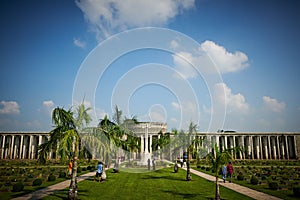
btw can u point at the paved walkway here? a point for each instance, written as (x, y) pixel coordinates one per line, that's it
(39, 194)
(238, 188)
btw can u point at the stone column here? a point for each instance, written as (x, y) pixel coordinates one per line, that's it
(269, 148)
(287, 147)
(242, 152)
(12, 147)
(142, 144)
(21, 146)
(29, 148)
(261, 139)
(146, 140)
(3, 147)
(274, 148)
(150, 143)
(225, 142)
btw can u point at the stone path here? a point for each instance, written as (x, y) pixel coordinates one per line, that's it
(39, 194)
(238, 188)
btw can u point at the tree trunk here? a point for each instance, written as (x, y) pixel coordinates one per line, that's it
(218, 197)
(73, 194)
(188, 173)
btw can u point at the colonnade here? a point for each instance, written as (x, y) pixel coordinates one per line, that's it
(254, 145)
(24, 145)
(21, 145)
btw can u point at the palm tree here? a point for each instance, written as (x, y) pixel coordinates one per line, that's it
(217, 158)
(65, 137)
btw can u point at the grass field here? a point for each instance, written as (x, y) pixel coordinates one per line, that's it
(161, 184)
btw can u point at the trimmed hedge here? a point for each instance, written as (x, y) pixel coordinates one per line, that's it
(273, 185)
(296, 191)
(18, 187)
(51, 178)
(254, 180)
(37, 182)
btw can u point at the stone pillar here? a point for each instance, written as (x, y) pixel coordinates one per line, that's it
(261, 147)
(287, 147)
(269, 148)
(142, 144)
(21, 146)
(242, 152)
(150, 143)
(3, 147)
(29, 148)
(12, 144)
(146, 141)
(274, 148)
(225, 142)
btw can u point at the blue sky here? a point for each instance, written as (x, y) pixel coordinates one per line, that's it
(252, 47)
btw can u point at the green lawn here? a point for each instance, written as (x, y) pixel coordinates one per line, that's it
(161, 184)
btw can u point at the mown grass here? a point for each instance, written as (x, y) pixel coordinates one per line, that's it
(160, 184)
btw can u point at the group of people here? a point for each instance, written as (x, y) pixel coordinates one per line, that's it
(227, 171)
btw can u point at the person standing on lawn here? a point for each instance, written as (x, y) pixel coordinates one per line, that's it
(224, 172)
(230, 171)
(99, 171)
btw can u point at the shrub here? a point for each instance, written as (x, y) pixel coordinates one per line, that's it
(84, 169)
(203, 167)
(62, 174)
(240, 177)
(273, 185)
(254, 180)
(207, 168)
(296, 191)
(79, 169)
(37, 182)
(18, 187)
(51, 178)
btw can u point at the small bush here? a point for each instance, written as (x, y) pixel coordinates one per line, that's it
(79, 169)
(62, 174)
(254, 180)
(296, 191)
(18, 187)
(37, 182)
(203, 167)
(51, 178)
(240, 177)
(84, 169)
(273, 185)
(207, 169)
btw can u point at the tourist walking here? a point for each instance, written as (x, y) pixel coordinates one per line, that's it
(70, 166)
(229, 171)
(99, 171)
(224, 172)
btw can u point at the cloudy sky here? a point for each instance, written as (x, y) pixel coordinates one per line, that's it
(226, 64)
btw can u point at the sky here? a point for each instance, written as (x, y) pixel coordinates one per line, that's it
(229, 64)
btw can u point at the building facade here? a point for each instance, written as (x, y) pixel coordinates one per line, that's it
(253, 145)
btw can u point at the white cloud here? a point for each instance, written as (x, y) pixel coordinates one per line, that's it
(9, 107)
(79, 43)
(183, 64)
(225, 61)
(234, 102)
(108, 16)
(48, 106)
(208, 58)
(273, 104)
